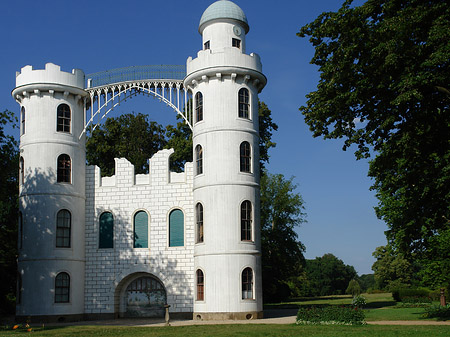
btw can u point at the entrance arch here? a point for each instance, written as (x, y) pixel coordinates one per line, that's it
(142, 295)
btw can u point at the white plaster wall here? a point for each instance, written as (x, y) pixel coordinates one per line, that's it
(107, 268)
(41, 197)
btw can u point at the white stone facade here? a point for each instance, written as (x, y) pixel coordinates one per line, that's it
(77, 278)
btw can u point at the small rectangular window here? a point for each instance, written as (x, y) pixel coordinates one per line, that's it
(206, 45)
(236, 43)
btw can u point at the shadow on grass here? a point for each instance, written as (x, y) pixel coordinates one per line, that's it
(381, 304)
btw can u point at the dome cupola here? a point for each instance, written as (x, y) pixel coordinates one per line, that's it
(223, 10)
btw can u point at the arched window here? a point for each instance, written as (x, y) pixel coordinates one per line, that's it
(247, 284)
(63, 123)
(63, 224)
(20, 230)
(22, 117)
(199, 221)
(200, 285)
(176, 228)
(199, 159)
(245, 155)
(106, 230)
(21, 171)
(244, 105)
(140, 230)
(64, 168)
(62, 288)
(246, 221)
(199, 106)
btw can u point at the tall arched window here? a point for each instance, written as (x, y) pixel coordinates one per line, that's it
(176, 228)
(245, 157)
(21, 171)
(63, 119)
(199, 106)
(20, 230)
(199, 221)
(64, 169)
(22, 117)
(63, 227)
(247, 284)
(140, 230)
(246, 221)
(106, 230)
(200, 285)
(199, 159)
(244, 103)
(62, 288)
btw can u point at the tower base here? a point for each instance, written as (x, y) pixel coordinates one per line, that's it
(223, 316)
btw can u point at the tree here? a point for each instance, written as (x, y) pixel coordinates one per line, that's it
(131, 136)
(367, 281)
(391, 269)
(353, 288)
(266, 129)
(328, 275)
(383, 87)
(282, 253)
(9, 209)
(180, 139)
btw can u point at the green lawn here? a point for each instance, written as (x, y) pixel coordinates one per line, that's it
(380, 307)
(246, 330)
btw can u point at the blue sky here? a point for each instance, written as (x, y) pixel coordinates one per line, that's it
(100, 35)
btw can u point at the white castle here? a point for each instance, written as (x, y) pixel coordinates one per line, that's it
(127, 245)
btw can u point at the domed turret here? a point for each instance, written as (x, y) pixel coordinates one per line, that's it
(223, 9)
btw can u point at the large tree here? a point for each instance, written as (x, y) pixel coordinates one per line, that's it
(384, 79)
(282, 211)
(9, 208)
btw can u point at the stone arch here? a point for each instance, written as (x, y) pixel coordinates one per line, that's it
(140, 294)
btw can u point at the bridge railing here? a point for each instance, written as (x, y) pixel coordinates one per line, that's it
(136, 73)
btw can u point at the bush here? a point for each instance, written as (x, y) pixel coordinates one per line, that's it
(435, 295)
(402, 293)
(331, 315)
(353, 288)
(438, 311)
(359, 301)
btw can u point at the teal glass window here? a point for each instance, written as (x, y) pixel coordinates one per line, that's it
(106, 237)
(140, 230)
(176, 228)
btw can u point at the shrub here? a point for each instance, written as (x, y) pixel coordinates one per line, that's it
(359, 301)
(435, 295)
(353, 288)
(401, 293)
(438, 311)
(331, 315)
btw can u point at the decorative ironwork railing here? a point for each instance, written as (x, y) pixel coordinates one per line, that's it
(136, 73)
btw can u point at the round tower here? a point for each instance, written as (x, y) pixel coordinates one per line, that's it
(225, 83)
(51, 193)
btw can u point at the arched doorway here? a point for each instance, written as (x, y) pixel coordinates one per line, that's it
(145, 297)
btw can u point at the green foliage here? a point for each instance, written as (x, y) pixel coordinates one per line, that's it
(266, 129)
(438, 311)
(409, 294)
(366, 281)
(359, 301)
(9, 208)
(340, 315)
(384, 87)
(130, 136)
(353, 288)
(391, 269)
(180, 139)
(282, 253)
(328, 275)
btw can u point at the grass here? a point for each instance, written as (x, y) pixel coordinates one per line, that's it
(380, 307)
(247, 330)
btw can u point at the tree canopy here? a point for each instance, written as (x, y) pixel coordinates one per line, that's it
(384, 87)
(9, 208)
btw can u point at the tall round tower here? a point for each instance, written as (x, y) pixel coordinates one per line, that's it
(52, 193)
(225, 83)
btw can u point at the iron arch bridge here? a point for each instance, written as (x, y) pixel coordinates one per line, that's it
(108, 89)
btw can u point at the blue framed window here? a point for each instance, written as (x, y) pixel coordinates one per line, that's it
(106, 229)
(176, 228)
(140, 230)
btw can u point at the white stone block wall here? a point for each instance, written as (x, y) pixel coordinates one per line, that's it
(108, 270)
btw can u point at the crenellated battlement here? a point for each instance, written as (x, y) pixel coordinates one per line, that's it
(51, 74)
(159, 173)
